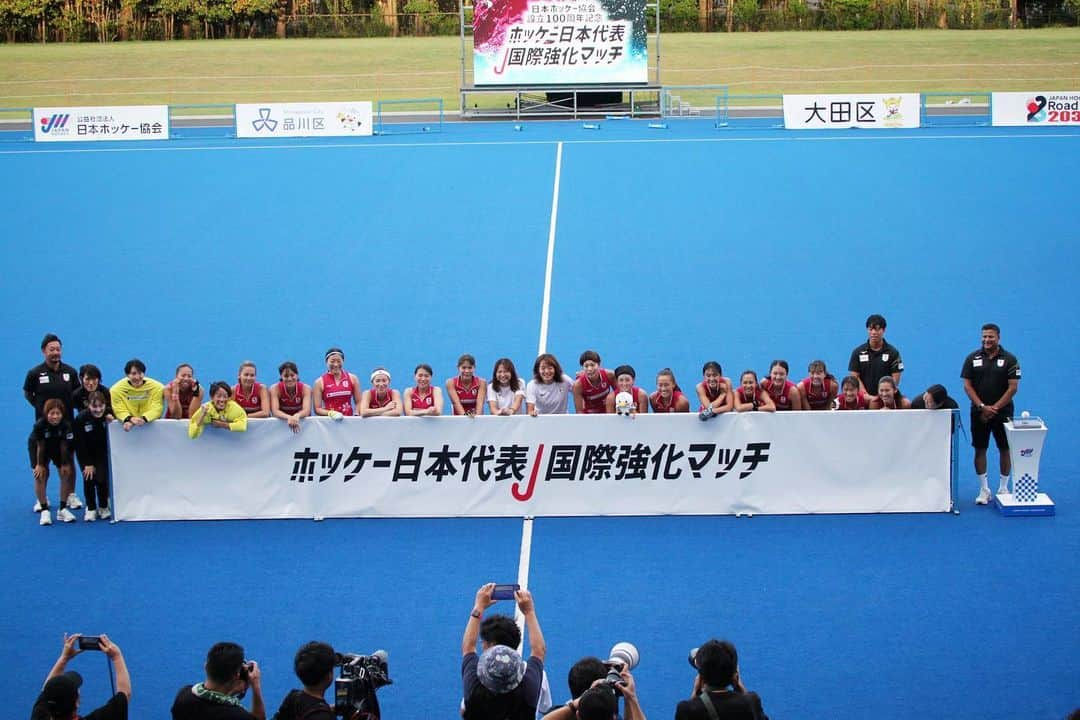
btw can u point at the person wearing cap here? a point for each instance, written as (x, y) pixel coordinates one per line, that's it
(314, 666)
(936, 397)
(60, 699)
(381, 400)
(718, 692)
(337, 392)
(499, 684)
(228, 678)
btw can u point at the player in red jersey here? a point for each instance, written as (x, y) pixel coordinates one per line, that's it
(381, 400)
(714, 391)
(251, 394)
(337, 392)
(784, 393)
(183, 394)
(466, 391)
(290, 399)
(593, 385)
(819, 388)
(889, 396)
(668, 397)
(750, 396)
(851, 396)
(624, 382)
(424, 398)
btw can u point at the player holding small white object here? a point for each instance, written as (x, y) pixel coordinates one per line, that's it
(714, 391)
(624, 383)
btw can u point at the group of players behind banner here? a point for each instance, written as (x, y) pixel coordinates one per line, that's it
(57, 392)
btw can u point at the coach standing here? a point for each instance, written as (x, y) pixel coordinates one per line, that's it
(52, 379)
(991, 378)
(875, 358)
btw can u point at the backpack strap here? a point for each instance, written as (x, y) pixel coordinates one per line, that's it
(708, 703)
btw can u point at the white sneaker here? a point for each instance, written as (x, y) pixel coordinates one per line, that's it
(104, 513)
(37, 506)
(65, 515)
(984, 496)
(46, 518)
(74, 502)
(90, 516)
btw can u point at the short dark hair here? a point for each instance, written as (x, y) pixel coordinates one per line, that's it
(49, 337)
(987, 326)
(223, 662)
(938, 393)
(717, 662)
(583, 674)
(221, 385)
(598, 703)
(625, 370)
(313, 662)
(500, 630)
(589, 355)
(876, 320)
(424, 366)
(91, 371)
(287, 365)
(134, 363)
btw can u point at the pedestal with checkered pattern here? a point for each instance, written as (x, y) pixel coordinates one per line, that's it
(1026, 437)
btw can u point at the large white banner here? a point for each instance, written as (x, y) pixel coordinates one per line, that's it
(869, 110)
(1046, 108)
(328, 119)
(783, 463)
(82, 124)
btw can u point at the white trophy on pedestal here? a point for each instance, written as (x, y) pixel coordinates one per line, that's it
(1026, 435)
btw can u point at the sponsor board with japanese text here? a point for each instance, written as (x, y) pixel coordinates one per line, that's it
(92, 124)
(328, 119)
(784, 463)
(1035, 109)
(559, 42)
(870, 110)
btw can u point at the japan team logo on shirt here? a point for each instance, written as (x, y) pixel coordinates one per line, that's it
(885, 357)
(1001, 362)
(67, 377)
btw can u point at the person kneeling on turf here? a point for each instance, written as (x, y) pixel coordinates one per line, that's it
(314, 665)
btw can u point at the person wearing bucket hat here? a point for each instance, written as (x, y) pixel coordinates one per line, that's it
(59, 698)
(499, 684)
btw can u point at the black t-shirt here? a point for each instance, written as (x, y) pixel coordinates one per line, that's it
(43, 384)
(78, 399)
(520, 703)
(57, 441)
(872, 365)
(115, 709)
(189, 706)
(298, 705)
(91, 439)
(990, 376)
(729, 706)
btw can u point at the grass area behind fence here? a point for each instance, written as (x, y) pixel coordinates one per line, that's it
(226, 71)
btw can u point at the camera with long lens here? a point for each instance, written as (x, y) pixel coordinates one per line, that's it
(623, 656)
(355, 685)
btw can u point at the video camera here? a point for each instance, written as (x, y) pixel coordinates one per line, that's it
(355, 686)
(623, 656)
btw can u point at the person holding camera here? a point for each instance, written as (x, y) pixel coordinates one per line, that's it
(498, 684)
(59, 698)
(314, 665)
(228, 678)
(601, 700)
(718, 690)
